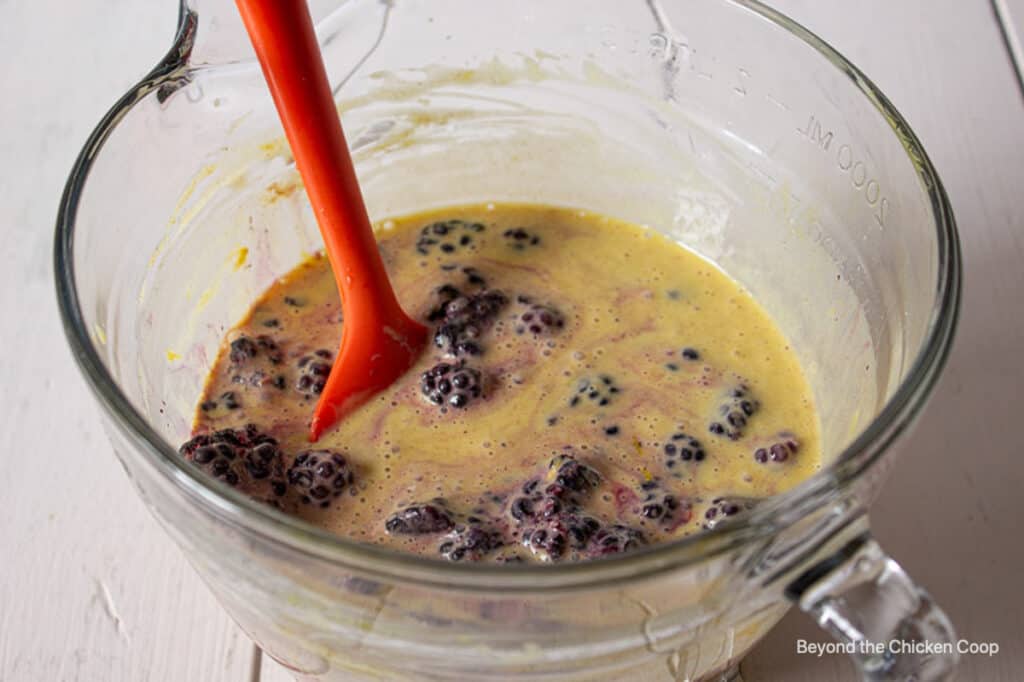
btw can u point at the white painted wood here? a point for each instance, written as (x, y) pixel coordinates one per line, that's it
(272, 671)
(90, 587)
(1011, 17)
(951, 511)
(91, 590)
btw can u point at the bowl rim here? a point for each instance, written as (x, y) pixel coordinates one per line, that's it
(248, 516)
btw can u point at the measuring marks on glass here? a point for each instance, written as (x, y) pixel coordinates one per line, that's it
(849, 163)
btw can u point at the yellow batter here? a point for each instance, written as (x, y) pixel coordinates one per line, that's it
(587, 348)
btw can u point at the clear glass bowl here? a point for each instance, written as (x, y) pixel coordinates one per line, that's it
(718, 122)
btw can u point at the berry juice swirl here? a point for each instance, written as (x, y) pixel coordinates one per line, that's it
(591, 388)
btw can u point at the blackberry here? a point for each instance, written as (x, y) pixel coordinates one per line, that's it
(579, 528)
(454, 385)
(470, 542)
(269, 348)
(448, 236)
(264, 461)
(244, 349)
(474, 278)
(463, 319)
(319, 476)
(442, 295)
(665, 507)
(615, 539)
(230, 400)
(734, 411)
(560, 491)
(538, 319)
(548, 536)
(239, 456)
(779, 451)
(538, 504)
(681, 447)
(723, 508)
(420, 519)
(313, 372)
(568, 476)
(218, 460)
(520, 239)
(599, 391)
(549, 539)
(690, 354)
(546, 543)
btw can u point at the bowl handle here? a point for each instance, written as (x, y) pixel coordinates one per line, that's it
(889, 626)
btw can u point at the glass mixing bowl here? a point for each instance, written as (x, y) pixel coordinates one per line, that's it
(718, 122)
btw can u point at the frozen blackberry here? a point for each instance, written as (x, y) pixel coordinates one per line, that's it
(237, 456)
(733, 413)
(319, 476)
(681, 447)
(448, 236)
(313, 372)
(453, 385)
(474, 278)
(264, 461)
(469, 543)
(664, 507)
(269, 349)
(551, 538)
(599, 391)
(539, 320)
(779, 451)
(463, 320)
(520, 239)
(723, 508)
(523, 508)
(567, 476)
(219, 461)
(546, 543)
(420, 519)
(615, 539)
(536, 502)
(442, 296)
(552, 505)
(244, 349)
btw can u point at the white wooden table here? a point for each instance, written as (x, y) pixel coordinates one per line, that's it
(90, 589)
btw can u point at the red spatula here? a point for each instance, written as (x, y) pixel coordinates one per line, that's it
(379, 342)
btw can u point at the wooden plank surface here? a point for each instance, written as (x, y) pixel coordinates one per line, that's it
(1010, 14)
(91, 590)
(272, 671)
(90, 587)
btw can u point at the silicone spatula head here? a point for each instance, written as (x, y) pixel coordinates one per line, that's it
(379, 341)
